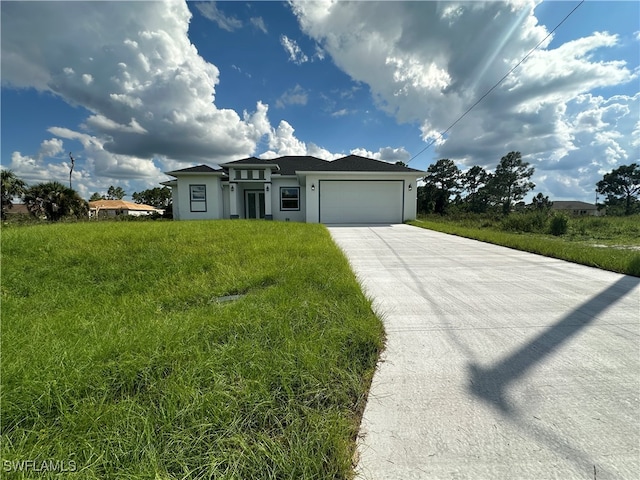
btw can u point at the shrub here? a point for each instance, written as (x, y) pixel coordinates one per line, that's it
(530, 222)
(559, 224)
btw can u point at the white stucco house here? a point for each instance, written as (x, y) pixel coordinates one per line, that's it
(351, 189)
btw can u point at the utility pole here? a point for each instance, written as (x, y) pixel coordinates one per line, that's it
(73, 163)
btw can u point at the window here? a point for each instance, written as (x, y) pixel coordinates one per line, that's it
(289, 198)
(198, 197)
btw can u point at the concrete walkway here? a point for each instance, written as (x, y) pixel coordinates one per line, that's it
(499, 364)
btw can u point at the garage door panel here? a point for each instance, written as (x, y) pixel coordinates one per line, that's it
(361, 201)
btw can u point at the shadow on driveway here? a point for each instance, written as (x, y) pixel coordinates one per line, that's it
(490, 384)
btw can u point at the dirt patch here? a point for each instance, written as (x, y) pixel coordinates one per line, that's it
(618, 247)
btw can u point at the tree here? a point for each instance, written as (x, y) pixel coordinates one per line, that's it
(115, 193)
(541, 203)
(426, 198)
(622, 187)
(55, 201)
(473, 183)
(96, 196)
(510, 182)
(12, 187)
(443, 176)
(156, 197)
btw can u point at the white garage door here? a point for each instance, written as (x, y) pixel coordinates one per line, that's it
(366, 201)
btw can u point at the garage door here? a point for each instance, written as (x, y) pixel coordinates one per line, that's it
(365, 201)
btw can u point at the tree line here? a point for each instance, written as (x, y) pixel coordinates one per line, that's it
(476, 190)
(55, 201)
(445, 186)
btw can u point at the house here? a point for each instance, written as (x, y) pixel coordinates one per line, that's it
(574, 207)
(17, 209)
(351, 189)
(112, 208)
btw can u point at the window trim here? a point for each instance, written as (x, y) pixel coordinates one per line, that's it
(294, 209)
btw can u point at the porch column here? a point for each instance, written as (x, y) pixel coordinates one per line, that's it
(233, 200)
(267, 201)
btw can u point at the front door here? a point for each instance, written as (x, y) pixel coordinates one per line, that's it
(254, 203)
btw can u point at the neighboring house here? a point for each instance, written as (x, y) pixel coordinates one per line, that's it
(575, 207)
(112, 208)
(17, 209)
(351, 189)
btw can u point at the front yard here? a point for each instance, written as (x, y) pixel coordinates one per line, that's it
(181, 350)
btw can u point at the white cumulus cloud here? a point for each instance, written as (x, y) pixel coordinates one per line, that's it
(426, 63)
(296, 55)
(150, 94)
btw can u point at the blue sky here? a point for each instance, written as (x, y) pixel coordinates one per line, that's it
(135, 89)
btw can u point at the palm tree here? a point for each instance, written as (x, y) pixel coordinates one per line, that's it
(12, 187)
(54, 201)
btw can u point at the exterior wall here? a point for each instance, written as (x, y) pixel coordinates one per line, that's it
(226, 212)
(287, 215)
(581, 211)
(175, 197)
(410, 199)
(137, 213)
(213, 204)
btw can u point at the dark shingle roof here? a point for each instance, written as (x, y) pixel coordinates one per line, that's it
(197, 169)
(291, 164)
(249, 160)
(287, 165)
(573, 205)
(356, 163)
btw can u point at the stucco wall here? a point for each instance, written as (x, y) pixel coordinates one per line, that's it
(214, 205)
(283, 215)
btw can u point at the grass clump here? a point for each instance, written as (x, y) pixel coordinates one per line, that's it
(558, 224)
(610, 243)
(118, 355)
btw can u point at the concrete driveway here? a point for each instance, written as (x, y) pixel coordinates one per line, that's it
(499, 364)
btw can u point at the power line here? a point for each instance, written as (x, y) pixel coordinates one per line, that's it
(440, 135)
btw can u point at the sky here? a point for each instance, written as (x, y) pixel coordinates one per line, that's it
(136, 89)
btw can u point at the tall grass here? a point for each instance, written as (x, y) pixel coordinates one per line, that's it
(610, 243)
(125, 351)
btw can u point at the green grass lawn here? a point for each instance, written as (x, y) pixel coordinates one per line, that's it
(121, 354)
(610, 243)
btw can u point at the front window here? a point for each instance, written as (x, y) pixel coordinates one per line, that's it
(290, 198)
(198, 197)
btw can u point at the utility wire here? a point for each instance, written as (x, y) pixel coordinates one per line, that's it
(440, 135)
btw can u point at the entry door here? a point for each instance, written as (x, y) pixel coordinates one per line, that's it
(254, 204)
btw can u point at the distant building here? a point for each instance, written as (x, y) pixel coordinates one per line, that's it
(574, 207)
(113, 208)
(17, 209)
